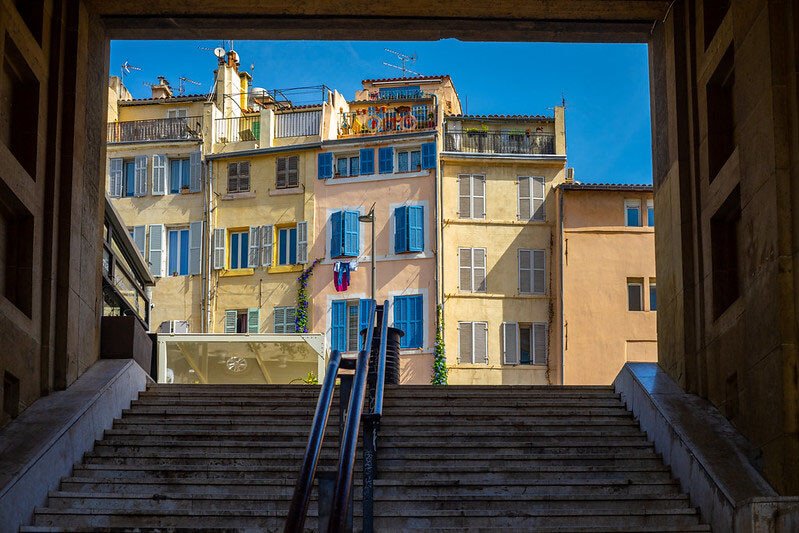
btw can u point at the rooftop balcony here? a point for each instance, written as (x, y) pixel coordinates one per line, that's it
(158, 129)
(399, 120)
(494, 142)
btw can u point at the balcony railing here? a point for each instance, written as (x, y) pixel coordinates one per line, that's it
(297, 124)
(159, 129)
(236, 129)
(500, 142)
(384, 122)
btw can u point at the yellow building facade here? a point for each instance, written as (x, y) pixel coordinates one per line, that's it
(609, 285)
(497, 256)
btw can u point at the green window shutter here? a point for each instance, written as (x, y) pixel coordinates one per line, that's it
(253, 320)
(230, 321)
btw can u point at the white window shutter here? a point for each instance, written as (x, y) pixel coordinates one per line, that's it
(465, 259)
(230, 321)
(219, 248)
(466, 342)
(302, 242)
(525, 272)
(141, 175)
(267, 236)
(524, 204)
(539, 271)
(510, 343)
(479, 269)
(537, 189)
(478, 196)
(464, 196)
(195, 247)
(254, 258)
(195, 171)
(159, 174)
(540, 343)
(139, 236)
(157, 255)
(480, 342)
(115, 178)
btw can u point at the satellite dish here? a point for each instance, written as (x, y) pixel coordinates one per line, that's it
(219, 52)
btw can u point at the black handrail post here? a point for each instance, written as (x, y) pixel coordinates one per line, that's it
(302, 490)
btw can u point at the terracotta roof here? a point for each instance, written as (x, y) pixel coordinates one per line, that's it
(296, 107)
(171, 99)
(501, 117)
(635, 187)
(415, 78)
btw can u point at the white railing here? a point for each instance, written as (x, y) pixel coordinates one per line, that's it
(297, 123)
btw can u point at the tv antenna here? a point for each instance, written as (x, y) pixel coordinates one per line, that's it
(182, 84)
(405, 59)
(127, 68)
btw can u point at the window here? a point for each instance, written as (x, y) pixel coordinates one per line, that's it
(635, 289)
(531, 198)
(408, 317)
(367, 161)
(472, 269)
(179, 175)
(473, 342)
(419, 112)
(532, 271)
(324, 165)
(238, 177)
(348, 318)
(385, 157)
(632, 213)
(129, 179)
(178, 252)
(524, 344)
(239, 249)
(138, 234)
(355, 165)
(345, 234)
(287, 173)
(409, 229)
(726, 252)
(471, 196)
(721, 119)
(409, 161)
(650, 213)
(653, 300)
(287, 246)
(177, 113)
(342, 166)
(243, 320)
(285, 319)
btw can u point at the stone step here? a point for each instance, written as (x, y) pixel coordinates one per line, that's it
(283, 488)
(387, 503)
(461, 519)
(389, 404)
(588, 529)
(416, 472)
(406, 389)
(442, 412)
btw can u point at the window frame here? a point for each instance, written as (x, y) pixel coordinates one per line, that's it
(653, 295)
(635, 205)
(412, 299)
(244, 251)
(472, 196)
(472, 270)
(183, 234)
(640, 285)
(472, 361)
(532, 270)
(185, 164)
(650, 213)
(238, 177)
(289, 249)
(287, 172)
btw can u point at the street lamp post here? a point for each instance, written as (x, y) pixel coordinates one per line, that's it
(370, 217)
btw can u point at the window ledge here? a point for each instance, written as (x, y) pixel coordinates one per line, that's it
(238, 195)
(282, 269)
(236, 272)
(286, 192)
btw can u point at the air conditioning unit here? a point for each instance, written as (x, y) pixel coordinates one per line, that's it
(174, 326)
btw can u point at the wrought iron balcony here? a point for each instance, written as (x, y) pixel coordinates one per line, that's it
(384, 122)
(489, 142)
(159, 129)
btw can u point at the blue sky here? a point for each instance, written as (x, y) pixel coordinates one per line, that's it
(606, 86)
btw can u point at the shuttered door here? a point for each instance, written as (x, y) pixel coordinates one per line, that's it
(465, 344)
(479, 268)
(464, 196)
(525, 209)
(540, 343)
(510, 350)
(465, 258)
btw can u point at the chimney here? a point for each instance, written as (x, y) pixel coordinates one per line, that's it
(245, 89)
(570, 175)
(161, 89)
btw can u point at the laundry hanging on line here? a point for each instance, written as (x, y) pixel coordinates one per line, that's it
(341, 275)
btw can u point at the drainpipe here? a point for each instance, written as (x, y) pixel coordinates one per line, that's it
(437, 202)
(209, 249)
(562, 332)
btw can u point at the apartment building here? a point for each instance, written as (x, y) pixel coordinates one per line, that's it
(497, 259)
(383, 161)
(609, 284)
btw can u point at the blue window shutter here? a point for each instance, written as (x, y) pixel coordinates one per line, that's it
(415, 320)
(415, 228)
(352, 233)
(386, 159)
(337, 233)
(367, 161)
(338, 325)
(401, 229)
(324, 163)
(363, 319)
(401, 318)
(429, 155)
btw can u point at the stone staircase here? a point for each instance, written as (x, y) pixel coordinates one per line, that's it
(450, 459)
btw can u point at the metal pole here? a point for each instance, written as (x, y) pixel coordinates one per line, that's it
(373, 254)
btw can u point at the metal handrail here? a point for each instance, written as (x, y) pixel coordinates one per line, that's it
(302, 490)
(380, 377)
(349, 439)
